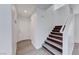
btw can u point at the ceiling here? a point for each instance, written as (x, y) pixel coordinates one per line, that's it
(29, 9)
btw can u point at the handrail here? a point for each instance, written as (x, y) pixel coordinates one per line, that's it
(67, 19)
(63, 27)
(68, 36)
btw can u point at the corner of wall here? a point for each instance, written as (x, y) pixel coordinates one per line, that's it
(35, 45)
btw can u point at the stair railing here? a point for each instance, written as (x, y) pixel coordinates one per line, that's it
(67, 20)
(63, 27)
(68, 35)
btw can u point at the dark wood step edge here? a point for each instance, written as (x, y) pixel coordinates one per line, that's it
(56, 33)
(54, 47)
(60, 43)
(48, 50)
(58, 26)
(55, 37)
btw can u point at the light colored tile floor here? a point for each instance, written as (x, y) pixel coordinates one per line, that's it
(76, 49)
(26, 48)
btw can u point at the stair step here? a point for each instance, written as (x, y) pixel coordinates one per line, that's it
(51, 49)
(57, 33)
(55, 40)
(48, 50)
(55, 45)
(55, 30)
(55, 36)
(58, 26)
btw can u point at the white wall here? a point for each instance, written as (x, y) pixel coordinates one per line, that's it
(39, 29)
(15, 29)
(77, 28)
(34, 30)
(60, 15)
(75, 8)
(24, 28)
(41, 26)
(5, 29)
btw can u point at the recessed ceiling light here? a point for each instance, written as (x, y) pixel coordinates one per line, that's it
(25, 11)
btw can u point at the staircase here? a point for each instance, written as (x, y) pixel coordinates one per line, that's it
(53, 44)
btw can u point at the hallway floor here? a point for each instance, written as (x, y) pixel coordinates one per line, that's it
(76, 49)
(25, 47)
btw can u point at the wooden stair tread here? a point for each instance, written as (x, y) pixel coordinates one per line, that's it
(57, 32)
(58, 26)
(55, 35)
(53, 50)
(55, 44)
(55, 39)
